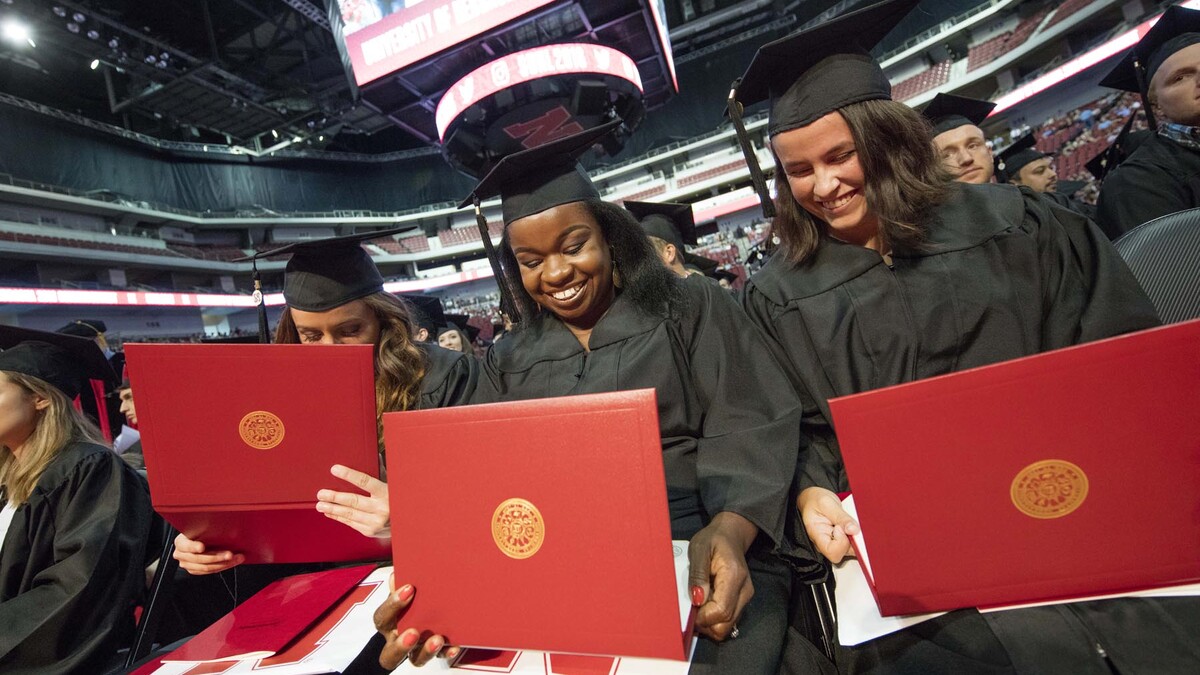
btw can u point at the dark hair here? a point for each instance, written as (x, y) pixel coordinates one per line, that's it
(400, 364)
(648, 284)
(903, 179)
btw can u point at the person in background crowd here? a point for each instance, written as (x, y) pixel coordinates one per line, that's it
(133, 453)
(334, 295)
(959, 140)
(597, 312)
(670, 228)
(96, 404)
(457, 335)
(886, 272)
(427, 314)
(74, 518)
(1023, 164)
(1160, 176)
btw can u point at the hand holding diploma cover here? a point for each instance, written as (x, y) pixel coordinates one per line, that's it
(540, 528)
(238, 446)
(1009, 483)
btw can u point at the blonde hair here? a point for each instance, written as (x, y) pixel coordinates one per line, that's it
(399, 364)
(59, 425)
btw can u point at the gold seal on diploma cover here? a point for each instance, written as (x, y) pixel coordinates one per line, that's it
(261, 429)
(518, 528)
(1051, 488)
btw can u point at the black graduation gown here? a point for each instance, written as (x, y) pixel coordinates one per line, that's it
(1066, 201)
(729, 427)
(1005, 274)
(450, 377)
(1160, 177)
(72, 565)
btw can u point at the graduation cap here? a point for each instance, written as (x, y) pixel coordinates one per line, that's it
(327, 273)
(813, 72)
(669, 221)
(1013, 158)
(531, 181)
(1176, 29)
(88, 328)
(459, 322)
(947, 111)
(427, 312)
(1069, 187)
(1125, 144)
(728, 276)
(65, 361)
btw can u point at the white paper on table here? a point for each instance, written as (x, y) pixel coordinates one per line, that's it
(859, 619)
(543, 663)
(328, 653)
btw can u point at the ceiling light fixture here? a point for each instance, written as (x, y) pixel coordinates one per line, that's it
(95, 63)
(17, 33)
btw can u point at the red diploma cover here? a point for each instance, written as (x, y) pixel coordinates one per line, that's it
(238, 439)
(537, 525)
(1064, 474)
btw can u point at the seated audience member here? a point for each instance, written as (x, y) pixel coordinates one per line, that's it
(1023, 164)
(873, 285)
(334, 295)
(95, 398)
(598, 312)
(74, 519)
(427, 315)
(1160, 176)
(457, 335)
(671, 229)
(959, 140)
(133, 453)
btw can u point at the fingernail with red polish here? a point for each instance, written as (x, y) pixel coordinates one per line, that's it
(697, 596)
(405, 592)
(409, 639)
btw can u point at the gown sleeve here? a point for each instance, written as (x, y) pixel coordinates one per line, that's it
(1135, 194)
(1089, 292)
(750, 437)
(85, 539)
(450, 378)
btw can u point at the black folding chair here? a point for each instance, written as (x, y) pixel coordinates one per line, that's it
(1164, 256)
(158, 598)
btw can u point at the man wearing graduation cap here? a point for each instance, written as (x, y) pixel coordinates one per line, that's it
(1163, 175)
(97, 405)
(958, 138)
(428, 315)
(877, 282)
(1023, 164)
(671, 228)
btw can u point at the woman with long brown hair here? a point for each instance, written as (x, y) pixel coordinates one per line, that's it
(886, 272)
(335, 295)
(74, 518)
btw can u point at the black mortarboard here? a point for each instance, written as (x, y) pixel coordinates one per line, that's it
(327, 273)
(1177, 28)
(64, 361)
(427, 312)
(813, 72)
(1125, 144)
(459, 322)
(1013, 158)
(88, 328)
(948, 111)
(540, 178)
(1069, 187)
(669, 221)
(723, 274)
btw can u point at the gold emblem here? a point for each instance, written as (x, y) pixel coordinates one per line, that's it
(261, 429)
(1051, 488)
(518, 528)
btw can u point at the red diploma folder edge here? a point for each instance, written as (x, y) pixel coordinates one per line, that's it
(848, 408)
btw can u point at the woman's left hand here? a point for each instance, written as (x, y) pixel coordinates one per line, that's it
(408, 644)
(369, 513)
(719, 577)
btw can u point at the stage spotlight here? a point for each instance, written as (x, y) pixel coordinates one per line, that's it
(93, 34)
(79, 17)
(17, 33)
(95, 63)
(59, 11)
(113, 43)
(73, 27)
(274, 134)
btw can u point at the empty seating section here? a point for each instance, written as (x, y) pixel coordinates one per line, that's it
(414, 243)
(1067, 9)
(935, 76)
(225, 253)
(83, 243)
(683, 181)
(992, 49)
(645, 194)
